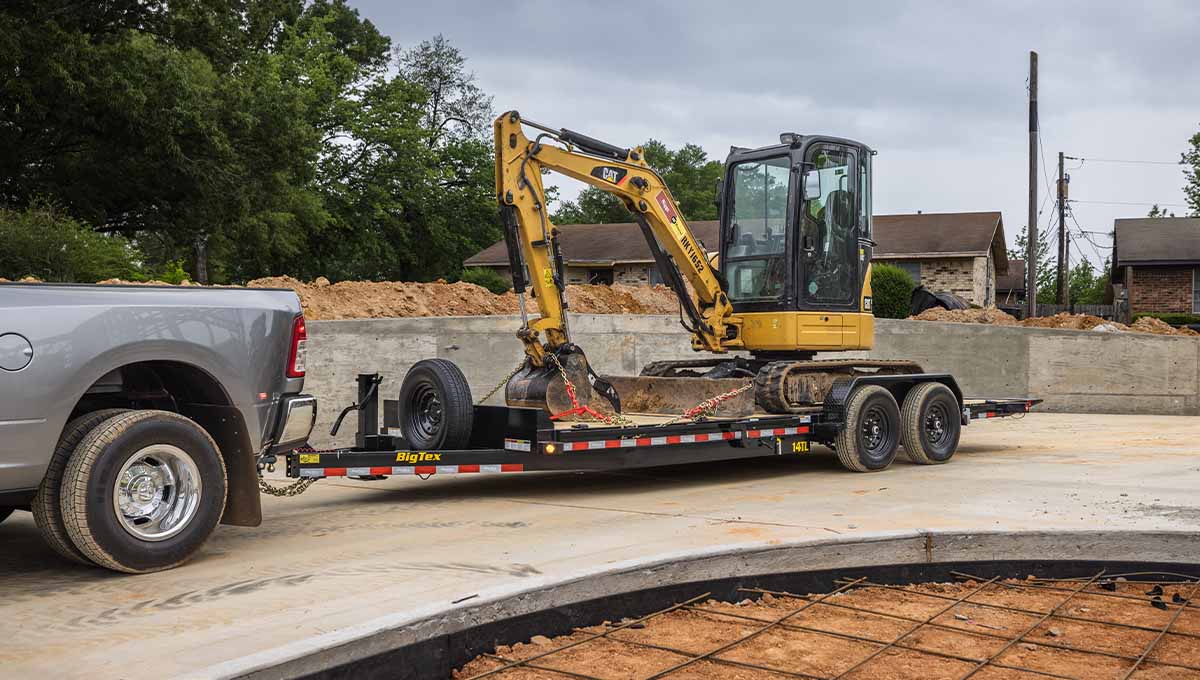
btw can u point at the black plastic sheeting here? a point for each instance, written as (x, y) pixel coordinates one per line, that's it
(923, 298)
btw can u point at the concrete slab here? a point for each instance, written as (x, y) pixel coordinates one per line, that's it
(348, 560)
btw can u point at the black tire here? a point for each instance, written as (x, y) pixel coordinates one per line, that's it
(145, 440)
(46, 505)
(4, 513)
(931, 424)
(436, 410)
(870, 437)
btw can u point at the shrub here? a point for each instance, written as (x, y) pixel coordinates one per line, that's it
(891, 288)
(488, 278)
(39, 241)
(1173, 318)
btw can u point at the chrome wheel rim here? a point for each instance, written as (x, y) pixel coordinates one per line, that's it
(157, 492)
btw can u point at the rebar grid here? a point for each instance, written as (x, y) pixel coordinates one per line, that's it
(940, 626)
(784, 623)
(1033, 585)
(1034, 612)
(1174, 617)
(1049, 615)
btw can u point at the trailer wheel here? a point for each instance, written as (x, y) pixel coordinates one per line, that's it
(47, 504)
(436, 406)
(868, 440)
(931, 425)
(143, 491)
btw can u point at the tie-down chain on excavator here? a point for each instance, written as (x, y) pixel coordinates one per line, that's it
(790, 279)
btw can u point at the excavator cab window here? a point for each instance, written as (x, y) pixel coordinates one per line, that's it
(755, 264)
(830, 227)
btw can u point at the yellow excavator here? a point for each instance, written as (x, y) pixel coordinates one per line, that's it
(791, 276)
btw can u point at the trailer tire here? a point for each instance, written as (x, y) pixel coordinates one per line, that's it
(870, 437)
(47, 503)
(143, 491)
(931, 425)
(436, 406)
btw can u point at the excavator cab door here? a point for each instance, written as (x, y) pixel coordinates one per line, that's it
(831, 265)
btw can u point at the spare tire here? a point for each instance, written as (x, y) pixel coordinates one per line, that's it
(436, 410)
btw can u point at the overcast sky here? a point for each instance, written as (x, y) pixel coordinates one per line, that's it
(938, 88)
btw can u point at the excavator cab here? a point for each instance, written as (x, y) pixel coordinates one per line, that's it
(795, 244)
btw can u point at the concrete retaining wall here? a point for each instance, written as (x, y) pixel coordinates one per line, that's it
(1078, 371)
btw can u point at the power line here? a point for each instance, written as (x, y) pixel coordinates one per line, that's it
(1161, 205)
(1083, 160)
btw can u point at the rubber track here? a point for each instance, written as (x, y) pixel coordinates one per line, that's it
(770, 385)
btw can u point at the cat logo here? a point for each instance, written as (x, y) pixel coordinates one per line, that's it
(609, 173)
(414, 457)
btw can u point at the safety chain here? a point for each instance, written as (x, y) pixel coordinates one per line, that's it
(294, 489)
(616, 419)
(708, 406)
(503, 382)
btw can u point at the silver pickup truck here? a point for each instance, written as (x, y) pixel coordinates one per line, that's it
(132, 418)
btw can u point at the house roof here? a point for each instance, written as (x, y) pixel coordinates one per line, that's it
(925, 235)
(920, 235)
(600, 244)
(1157, 240)
(1014, 280)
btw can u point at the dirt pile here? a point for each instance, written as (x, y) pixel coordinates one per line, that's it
(1062, 320)
(1159, 327)
(990, 316)
(374, 300)
(1078, 322)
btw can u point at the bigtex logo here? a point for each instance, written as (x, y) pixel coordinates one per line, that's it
(414, 457)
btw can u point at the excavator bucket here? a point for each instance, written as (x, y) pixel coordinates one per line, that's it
(543, 386)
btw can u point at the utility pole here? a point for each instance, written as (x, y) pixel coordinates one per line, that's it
(1064, 246)
(1032, 233)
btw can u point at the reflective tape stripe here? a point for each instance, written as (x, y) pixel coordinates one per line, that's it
(308, 473)
(599, 444)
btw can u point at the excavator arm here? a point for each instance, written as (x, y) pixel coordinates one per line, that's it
(535, 256)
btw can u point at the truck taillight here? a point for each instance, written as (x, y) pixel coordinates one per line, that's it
(295, 366)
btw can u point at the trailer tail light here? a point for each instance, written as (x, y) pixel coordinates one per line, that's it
(299, 351)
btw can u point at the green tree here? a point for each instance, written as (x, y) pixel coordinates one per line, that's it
(40, 241)
(1086, 285)
(1047, 275)
(1156, 211)
(1190, 159)
(891, 291)
(691, 177)
(246, 137)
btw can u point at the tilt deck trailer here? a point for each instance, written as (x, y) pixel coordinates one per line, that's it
(519, 439)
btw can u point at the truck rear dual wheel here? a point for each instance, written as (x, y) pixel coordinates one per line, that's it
(870, 436)
(931, 425)
(47, 504)
(142, 491)
(436, 411)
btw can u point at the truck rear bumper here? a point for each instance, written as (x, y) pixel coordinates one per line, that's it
(297, 415)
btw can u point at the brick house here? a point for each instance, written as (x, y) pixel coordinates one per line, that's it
(960, 253)
(601, 253)
(1010, 287)
(956, 252)
(1158, 261)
